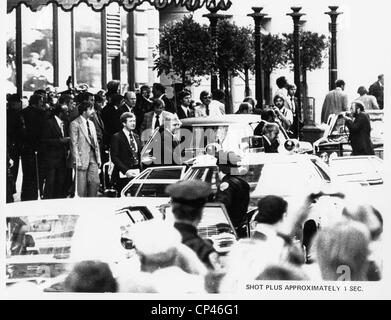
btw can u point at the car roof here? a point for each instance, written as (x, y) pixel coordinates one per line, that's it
(228, 118)
(80, 206)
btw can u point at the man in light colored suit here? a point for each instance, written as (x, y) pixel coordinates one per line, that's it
(335, 102)
(153, 119)
(85, 152)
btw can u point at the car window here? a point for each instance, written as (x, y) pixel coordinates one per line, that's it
(153, 190)
(132, 190)
(166, 173)
(48, 238)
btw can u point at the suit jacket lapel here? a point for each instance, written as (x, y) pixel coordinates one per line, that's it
(126, 142)
(84, 130)
(57, 128)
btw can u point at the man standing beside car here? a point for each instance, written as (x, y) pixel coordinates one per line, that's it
(270, 137)
(55, 151)
(359, 130)
(125, 151)
(335, 102)
(85, 152)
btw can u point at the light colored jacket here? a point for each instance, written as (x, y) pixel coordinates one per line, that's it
(335, 102)
(81, 143)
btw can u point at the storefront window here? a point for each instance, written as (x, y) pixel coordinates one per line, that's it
(88, 53)
(11, 50)
(37, 38)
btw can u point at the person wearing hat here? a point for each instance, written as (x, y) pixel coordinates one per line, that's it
(359, 130)
(188, 200)
(233, 191)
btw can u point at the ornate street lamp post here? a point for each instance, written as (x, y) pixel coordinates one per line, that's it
(333, 71)
(296, 15)
(258, 16)
(214, 17)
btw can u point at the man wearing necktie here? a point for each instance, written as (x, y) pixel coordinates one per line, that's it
(153, 120)
(55, 151)
(125, 152)
(85, 152)
(184, 110)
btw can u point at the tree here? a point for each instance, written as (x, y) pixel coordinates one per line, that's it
(274, 56)
(235, 54)
(184, 50)
(313, 52)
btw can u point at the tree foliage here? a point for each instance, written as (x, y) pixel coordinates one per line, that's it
(274, 54)
(235, 48)
(313, 46)
(184, 50)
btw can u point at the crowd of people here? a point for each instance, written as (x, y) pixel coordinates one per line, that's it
(57, 133)
(172, 258)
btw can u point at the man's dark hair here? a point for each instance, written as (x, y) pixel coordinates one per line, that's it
(84, 106)
(380, 76)
(182, 95)
(359, 105)
(144, 88)
(98, 98)
(249, 100)
(90, 276)
(58, 109)
(65, 99)
(204, 94)
(13, 98)
(35, 98)
(116, 99)
(186, 212)
(281, 82)
(159, 87)
(83, 97)
(157, 103)
(267, 114)
(271, 209)
(112, 86)
(40, 92)
(218, 95)
(339, 83)
(278, 96)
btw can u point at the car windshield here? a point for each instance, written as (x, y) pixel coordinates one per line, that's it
(296, 178)
(36, 246)
(352, 167)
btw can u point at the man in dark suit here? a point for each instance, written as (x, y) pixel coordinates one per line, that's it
(159, 92)
(153, 120)
(233, 191)
(111, 114)
(55, 142)
(165, 148)
(143, 106)
(129, 102)
(32, 119)
(125, 151)
(184, 109)
(377, 90)
(270, 137)
(359, 130)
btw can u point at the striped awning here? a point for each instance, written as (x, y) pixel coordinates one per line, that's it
(129, 5)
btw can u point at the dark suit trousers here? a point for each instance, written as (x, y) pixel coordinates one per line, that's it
(29, 183)
(55, 183)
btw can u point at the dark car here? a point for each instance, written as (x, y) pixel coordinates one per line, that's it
(335, 141)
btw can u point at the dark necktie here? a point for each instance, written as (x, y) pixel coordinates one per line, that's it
(133, 147)
(89, 134)
(188, 113)
(157, 123)
(207, 110)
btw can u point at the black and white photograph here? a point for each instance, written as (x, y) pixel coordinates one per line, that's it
(194, 148)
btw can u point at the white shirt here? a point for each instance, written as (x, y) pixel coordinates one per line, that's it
(60, 124)
(154, 120)
(216, 108)
(127, 135)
